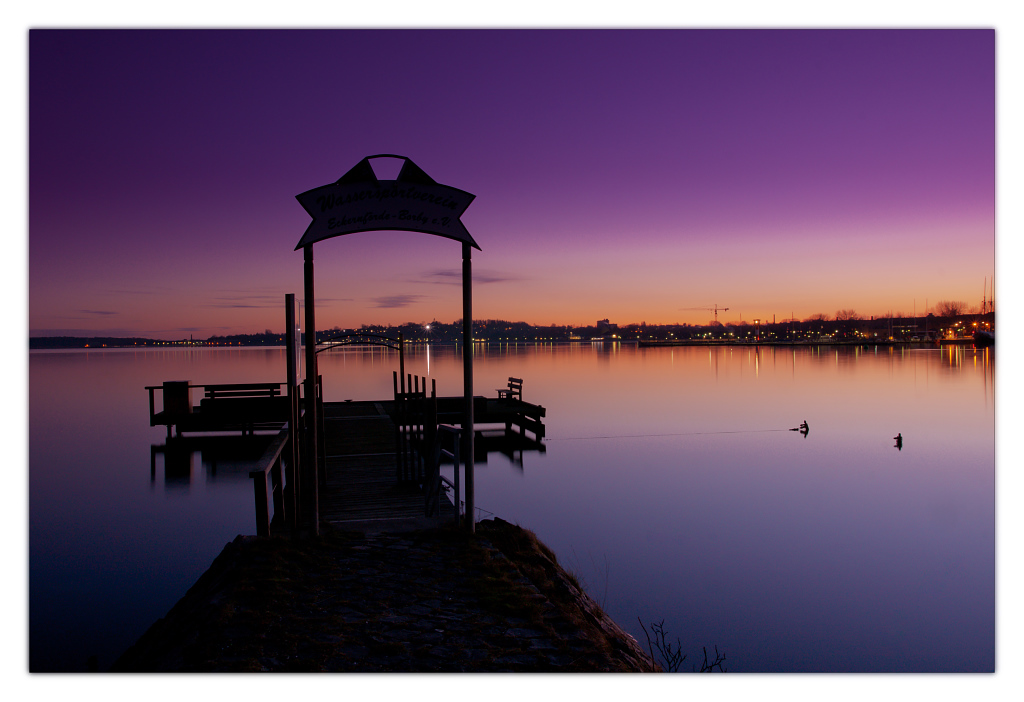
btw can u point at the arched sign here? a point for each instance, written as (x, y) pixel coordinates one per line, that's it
(359, 202)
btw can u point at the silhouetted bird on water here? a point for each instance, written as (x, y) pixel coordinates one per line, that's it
(803, 428)
(899, 441)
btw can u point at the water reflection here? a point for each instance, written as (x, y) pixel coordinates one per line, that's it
(833, 554)
(221, 458)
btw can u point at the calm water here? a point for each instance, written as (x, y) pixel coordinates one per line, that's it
(671, 486)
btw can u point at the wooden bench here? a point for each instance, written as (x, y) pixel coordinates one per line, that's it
(514, 390)
(243, 405)
(242, 390)
(238, 406)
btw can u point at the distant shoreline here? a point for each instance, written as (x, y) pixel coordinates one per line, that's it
(100, 343)
(887, 331)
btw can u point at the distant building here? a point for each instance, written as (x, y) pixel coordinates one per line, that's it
(606, 330)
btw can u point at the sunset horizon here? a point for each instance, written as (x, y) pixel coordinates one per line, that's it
(632, 175)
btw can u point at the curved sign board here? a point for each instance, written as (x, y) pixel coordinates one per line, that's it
(359, 202)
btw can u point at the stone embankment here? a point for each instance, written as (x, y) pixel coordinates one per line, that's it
(428, 600)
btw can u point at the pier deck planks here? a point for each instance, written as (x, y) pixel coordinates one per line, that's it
(361, 478)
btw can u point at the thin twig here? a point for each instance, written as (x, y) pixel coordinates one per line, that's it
(671, 656)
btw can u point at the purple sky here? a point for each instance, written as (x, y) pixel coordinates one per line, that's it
(619, 174)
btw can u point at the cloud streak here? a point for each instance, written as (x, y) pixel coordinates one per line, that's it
(396, 301)
(481, 276)
(264, 301)
(246, 301)
(139, 291)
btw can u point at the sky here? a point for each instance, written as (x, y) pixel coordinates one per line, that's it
(624, 174)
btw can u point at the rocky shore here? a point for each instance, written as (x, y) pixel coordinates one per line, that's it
(418, 601)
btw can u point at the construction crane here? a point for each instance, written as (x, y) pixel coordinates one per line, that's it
(716, 309)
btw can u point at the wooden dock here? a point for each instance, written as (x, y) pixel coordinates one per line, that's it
(361, 481)
(374, 476)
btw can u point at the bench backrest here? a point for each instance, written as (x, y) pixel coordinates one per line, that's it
(515, 388)
(243, 390)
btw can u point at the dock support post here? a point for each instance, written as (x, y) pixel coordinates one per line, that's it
(292, 345)
(467, 382)
(401, 359)
(310, 479)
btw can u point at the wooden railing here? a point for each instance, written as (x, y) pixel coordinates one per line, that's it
(270, 463)
(415, 416)
(436, 484)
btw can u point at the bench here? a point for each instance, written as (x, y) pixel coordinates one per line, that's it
(230, 407)
(242, 390)
(514, 391)
(244, 404)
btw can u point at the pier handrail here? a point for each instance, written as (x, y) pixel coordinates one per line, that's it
(270, 463)
(433, 491)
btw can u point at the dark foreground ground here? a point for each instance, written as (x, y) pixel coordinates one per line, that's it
(430, 600)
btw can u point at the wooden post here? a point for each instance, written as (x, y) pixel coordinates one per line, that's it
(291, 344)
(467, 381)
(401, 357)
(414, 429)
(262, 508)
(312, 460)
(277, 486)
(455, 463)
(432, 413)
(399, 468)
(320, 438)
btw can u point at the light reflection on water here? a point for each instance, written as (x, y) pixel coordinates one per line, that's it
(671, 484)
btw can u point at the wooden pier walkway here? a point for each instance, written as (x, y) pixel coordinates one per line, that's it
(363, 485)
(362, 490)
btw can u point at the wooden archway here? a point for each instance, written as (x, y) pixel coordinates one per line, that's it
(360, 202)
